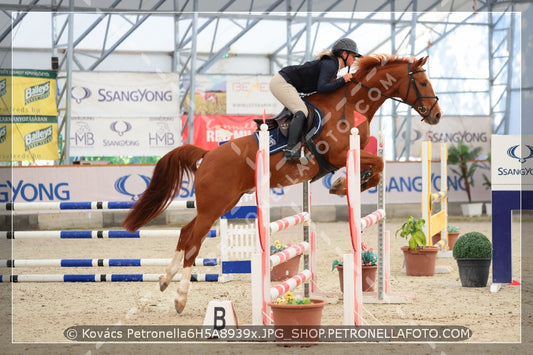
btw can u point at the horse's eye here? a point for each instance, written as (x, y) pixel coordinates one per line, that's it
(424, 83)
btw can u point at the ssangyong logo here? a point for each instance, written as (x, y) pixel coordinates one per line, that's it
(120, 127)
(36, 92)
(120, 186)
(80, 93)
(525, 154)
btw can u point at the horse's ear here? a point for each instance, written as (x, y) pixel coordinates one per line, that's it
(420, 62)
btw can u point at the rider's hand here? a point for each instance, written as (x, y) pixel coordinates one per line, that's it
(347, 77)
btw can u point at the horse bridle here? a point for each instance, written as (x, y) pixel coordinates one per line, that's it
(422, 109)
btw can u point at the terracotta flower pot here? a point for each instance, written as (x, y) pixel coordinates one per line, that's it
(369, 277)
(420, 262)
(284, 271)
(297, 323)
(452, 238)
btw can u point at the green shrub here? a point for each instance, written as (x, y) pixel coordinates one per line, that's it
(472, 245)
(452, 228)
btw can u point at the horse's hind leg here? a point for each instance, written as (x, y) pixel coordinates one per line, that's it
(171, 270)
(191, 239)
(177, 260)
(194, 233)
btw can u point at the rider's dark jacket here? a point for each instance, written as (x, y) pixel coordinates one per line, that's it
(314, 76)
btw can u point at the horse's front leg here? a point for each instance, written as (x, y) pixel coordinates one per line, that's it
(371, 168)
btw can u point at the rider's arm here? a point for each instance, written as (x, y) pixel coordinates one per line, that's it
(328, 70)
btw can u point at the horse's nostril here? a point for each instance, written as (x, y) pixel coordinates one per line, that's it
(437, 116)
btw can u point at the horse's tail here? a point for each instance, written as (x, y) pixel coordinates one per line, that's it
(164, 185)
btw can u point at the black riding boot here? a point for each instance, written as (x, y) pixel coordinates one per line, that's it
(296, 128)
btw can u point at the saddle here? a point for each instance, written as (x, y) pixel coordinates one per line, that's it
(278, 128)
(283, 119)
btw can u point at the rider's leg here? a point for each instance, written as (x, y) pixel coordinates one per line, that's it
(290, 98)
(296, 128)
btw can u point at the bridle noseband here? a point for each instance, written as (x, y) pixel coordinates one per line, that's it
(421, 108)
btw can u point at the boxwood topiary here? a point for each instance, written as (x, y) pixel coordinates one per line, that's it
(472, 245)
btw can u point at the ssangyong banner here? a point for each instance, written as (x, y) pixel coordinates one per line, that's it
(250, 95)
(134, 136)
(473, 131)
(128, 182)
(119, 94)
(512, 162)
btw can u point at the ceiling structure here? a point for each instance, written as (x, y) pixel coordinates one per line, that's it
(205, 32)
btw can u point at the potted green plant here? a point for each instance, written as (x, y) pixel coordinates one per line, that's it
(369, 268)
(463, 157)
(289, 313)
(419, 258)
(453, 234)
(286, 270)
(473, 253)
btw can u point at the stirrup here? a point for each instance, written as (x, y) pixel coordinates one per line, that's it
(291, 154)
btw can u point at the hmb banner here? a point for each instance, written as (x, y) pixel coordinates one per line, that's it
(131, 114)
(28, 115)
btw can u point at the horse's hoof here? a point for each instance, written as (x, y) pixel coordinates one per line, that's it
(163, 284)
(179, 306)
(336, 191)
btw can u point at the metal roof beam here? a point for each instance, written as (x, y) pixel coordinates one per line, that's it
(139, 22)
(16, 22)
(221, 52)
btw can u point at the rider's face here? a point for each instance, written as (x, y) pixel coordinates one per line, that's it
(351, 59)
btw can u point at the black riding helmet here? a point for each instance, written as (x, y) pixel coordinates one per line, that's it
(345, 44)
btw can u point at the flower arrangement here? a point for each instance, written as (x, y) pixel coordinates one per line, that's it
(277, 247)
(288, 298)
(368, 257)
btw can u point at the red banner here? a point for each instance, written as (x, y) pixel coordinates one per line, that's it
(210, 130)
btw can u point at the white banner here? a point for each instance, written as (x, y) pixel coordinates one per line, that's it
(512, 162)
(108, 94)
(134, 136)
(250, 95)
(474, 131)
(127, 182)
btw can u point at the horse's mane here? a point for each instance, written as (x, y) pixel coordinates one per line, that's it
(368, 62)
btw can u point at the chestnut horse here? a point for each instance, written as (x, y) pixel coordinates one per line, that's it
(227, 172)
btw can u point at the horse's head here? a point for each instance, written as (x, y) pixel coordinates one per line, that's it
(420, 94)
(399, 78)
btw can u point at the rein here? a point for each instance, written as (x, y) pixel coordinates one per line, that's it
(422, 109)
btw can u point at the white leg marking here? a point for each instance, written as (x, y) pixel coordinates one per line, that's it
(171, 271)
(183, 289)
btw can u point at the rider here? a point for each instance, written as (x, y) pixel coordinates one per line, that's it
(312, 76)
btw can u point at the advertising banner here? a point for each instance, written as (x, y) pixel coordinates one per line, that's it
(210, 130)
(106, 94)
(473, 131)
(28, 115)
(250, 95)
(128, 182)
(512, 162)
(134, 136)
